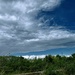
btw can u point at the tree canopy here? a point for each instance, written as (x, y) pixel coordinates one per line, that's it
(50, 65)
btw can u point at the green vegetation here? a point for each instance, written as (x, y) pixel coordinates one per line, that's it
(50, 65)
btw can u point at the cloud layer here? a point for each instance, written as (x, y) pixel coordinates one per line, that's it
(21, 31)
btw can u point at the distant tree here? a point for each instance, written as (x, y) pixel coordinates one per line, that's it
(48, 59)
(73, 55)
(58, 56)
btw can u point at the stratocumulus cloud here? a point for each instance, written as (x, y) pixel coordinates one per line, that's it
(21, 31)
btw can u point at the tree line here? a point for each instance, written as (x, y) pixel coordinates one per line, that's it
(50, 65)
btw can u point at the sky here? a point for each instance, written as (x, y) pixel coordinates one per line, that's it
(37, 26)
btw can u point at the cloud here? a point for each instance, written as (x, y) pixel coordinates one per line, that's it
(7, 17)
(40, 56)
(34, 56)
(21, 31)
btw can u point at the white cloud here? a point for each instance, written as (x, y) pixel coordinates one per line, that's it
(7, 17)
(31, 40)
(28, 9)
(54, 34)
(39, 56)
(34, 56)
(30, 6)
(67, 55)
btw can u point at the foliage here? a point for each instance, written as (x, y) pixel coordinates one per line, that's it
(51, 65)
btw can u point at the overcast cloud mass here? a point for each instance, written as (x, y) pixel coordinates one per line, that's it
(24, 28)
